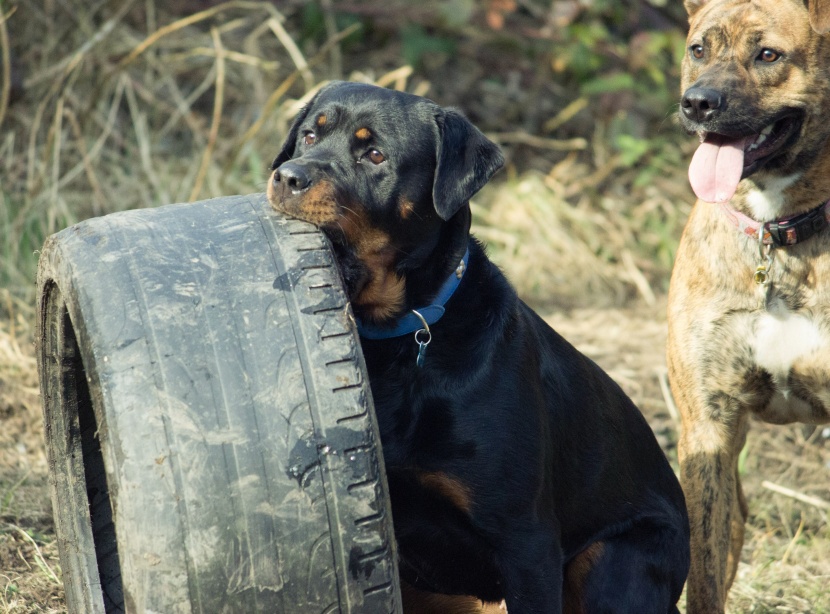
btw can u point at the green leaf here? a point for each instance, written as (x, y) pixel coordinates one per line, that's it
(631, 148)
(417, 43)
(618, 82)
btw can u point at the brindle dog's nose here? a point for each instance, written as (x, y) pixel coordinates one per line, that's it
(291, 176)
(701, 104)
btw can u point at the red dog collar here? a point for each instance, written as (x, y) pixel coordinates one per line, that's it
(781, 233)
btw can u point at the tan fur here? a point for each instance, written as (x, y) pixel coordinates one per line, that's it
(321, 120)
(383, 293)
(317, 206)
(715, 308)
(363, 134)
(820, 17)
(448, 487)
(576, 574)
(421, 602)
(405, 207)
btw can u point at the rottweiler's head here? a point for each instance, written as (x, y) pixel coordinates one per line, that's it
(388, 177)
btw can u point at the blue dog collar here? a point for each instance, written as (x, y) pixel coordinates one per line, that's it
(417, 318)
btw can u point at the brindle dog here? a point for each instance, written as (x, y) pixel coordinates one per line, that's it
(749, 305)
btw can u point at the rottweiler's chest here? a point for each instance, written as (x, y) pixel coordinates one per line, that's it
(441, 548)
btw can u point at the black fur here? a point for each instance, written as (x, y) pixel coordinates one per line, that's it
(545, 454)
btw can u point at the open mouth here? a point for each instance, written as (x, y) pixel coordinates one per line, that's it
(721, 161)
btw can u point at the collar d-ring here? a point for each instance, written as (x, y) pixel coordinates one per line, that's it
(422, 337)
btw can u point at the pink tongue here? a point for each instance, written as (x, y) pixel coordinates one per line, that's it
(716, 168)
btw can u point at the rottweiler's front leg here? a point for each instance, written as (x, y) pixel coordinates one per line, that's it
(708, 451)
(531, 564)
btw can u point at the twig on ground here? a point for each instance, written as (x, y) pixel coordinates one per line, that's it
(523, 138)
(277, 95)
(69, 63)
(397, 77)
(565, 115)
(217, 115)
(793, 541)
(663, 380)
(99, 199)
(291, 47)
(5, 48)
(183, 23)
(331, 32)
(39, 559)
(798, 496)
(637, 278)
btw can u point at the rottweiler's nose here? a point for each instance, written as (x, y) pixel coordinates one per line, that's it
(291, 176)
(701, 103)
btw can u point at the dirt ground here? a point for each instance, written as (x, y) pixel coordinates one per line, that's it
(787, 538)
(29, 569)
(785, 471)
(116, 105)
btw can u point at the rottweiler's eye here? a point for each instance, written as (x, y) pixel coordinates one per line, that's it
(768, 55)
(697, 51)
(309, 138)
(375, 157)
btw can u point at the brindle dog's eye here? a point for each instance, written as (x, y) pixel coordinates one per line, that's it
(768, 55)
(697, 51)
(309, 138)
(375, 157)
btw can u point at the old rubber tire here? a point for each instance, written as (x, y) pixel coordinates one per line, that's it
(209, 426)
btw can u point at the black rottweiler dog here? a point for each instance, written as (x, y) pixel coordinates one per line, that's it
(518, 469)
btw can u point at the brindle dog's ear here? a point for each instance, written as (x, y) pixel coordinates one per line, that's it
(466, 159)
(820, 15)
(693, 6)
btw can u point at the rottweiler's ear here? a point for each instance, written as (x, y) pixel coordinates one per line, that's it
(466, 159)
(820, 15)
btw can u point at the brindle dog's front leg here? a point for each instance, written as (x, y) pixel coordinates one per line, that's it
(708, 452)
(740, 512)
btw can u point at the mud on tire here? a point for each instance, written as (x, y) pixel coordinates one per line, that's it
(209, 425)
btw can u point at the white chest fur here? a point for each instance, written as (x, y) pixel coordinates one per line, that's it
(781, 337)
(767, 205)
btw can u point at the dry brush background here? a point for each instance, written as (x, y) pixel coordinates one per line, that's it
(110, 105)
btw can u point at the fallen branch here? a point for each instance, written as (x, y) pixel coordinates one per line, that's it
(798, 496)
(663, 380)
(523, 138)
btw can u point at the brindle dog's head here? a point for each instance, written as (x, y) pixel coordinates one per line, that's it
(388, 177)
(756, 79)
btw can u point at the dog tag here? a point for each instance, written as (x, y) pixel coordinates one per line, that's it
(422, 337)
(422, 345)
(422, 350)
(761, 276)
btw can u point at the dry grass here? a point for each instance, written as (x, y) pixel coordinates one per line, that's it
(115, 118)
(116, 105)
(784, 567)
(562, 245)
(29, 576)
